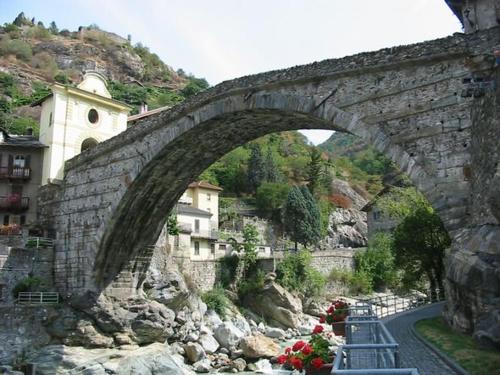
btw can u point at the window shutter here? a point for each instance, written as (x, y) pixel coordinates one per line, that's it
(11, 162)
(27, 159)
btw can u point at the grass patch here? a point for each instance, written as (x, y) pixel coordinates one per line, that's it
(461, 348)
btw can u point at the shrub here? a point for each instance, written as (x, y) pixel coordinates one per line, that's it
(228, 269)
(377, 262)
(216, 300)
(16, 47)
(38, 32)
(45, 62)
(251, 284)
(340, 200)
(62, 77)
(28, 284)
(360, 283)
(295, 273)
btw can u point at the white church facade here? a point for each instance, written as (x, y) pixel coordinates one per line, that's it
(76, 118)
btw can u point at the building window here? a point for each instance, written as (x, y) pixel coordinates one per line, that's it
(209, 197)
(6, 219)
(88, 144)
(93, 116)
(19, 161)
(2, 292)
(50, 119)
(22, 221)
(212, 248)
(262, 249)
(376, 215)
(196, 248)
(196, 225)
(222, 246)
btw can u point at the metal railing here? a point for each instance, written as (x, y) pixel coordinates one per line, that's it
(14, 203)
(204, 233)
(39, 242)
(15, 172)
(340, 369)
(370, 345)
(391, 304)
(38, 298)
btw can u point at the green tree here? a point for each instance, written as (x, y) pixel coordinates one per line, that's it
(302, 217)
(21, 20)
(247, 252)
(295, 273)
(314, 170)
(172, 225)
(420, 239)
(53, 28)
(270, 199)
(272, 173)
(377, 262)
(256, 169)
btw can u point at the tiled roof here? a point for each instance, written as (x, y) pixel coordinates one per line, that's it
(204, 185)
(19, 140)
(148, 113)
(190, 210)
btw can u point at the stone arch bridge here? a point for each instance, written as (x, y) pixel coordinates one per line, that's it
(406, 101)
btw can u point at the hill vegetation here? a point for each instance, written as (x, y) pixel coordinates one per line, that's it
(33, 56)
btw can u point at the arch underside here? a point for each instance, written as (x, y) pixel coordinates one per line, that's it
(158, 187)
(141, 213)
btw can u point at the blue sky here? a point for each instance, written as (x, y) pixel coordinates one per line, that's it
(224, 39)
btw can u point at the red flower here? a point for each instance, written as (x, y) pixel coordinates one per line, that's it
(307, 349)
(330, 309)
(317, 363)
(322, 319)
(288, 350)
(318, 329)
(298, 345)
(297, 363)
(282, 359)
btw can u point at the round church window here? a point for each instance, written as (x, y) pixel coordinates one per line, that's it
(93, 116)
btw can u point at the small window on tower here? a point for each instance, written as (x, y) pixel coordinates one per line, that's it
(93, 116)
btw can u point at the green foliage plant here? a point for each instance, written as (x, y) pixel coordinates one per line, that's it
(216, 300)
(296, 273)
(28, 284)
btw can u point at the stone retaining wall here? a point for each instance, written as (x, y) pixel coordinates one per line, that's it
(205, 274)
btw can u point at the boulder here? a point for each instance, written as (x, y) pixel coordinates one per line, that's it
(148, 360)
(275, 303)
(259, 346)
(275, 333)
(209, 343)
(202, 366)
(228, 335)
(239, 364)
(154, 323)
(194, 352)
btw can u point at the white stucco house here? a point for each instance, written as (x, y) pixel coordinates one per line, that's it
(198, 221)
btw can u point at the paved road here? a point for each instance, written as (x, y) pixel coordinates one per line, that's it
(414, 353)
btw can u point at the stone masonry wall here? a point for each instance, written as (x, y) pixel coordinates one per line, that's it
(205, 274)
(17, 263)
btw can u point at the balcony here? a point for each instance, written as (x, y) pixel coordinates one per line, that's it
(14, 203)
(210, 234)
(21, 173)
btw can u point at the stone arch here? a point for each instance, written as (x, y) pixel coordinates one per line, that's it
(201, 137)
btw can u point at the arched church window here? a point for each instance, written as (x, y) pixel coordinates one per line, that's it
(88, 144)
(93, 116)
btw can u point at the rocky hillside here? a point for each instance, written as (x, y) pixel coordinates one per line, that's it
(32, 56)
